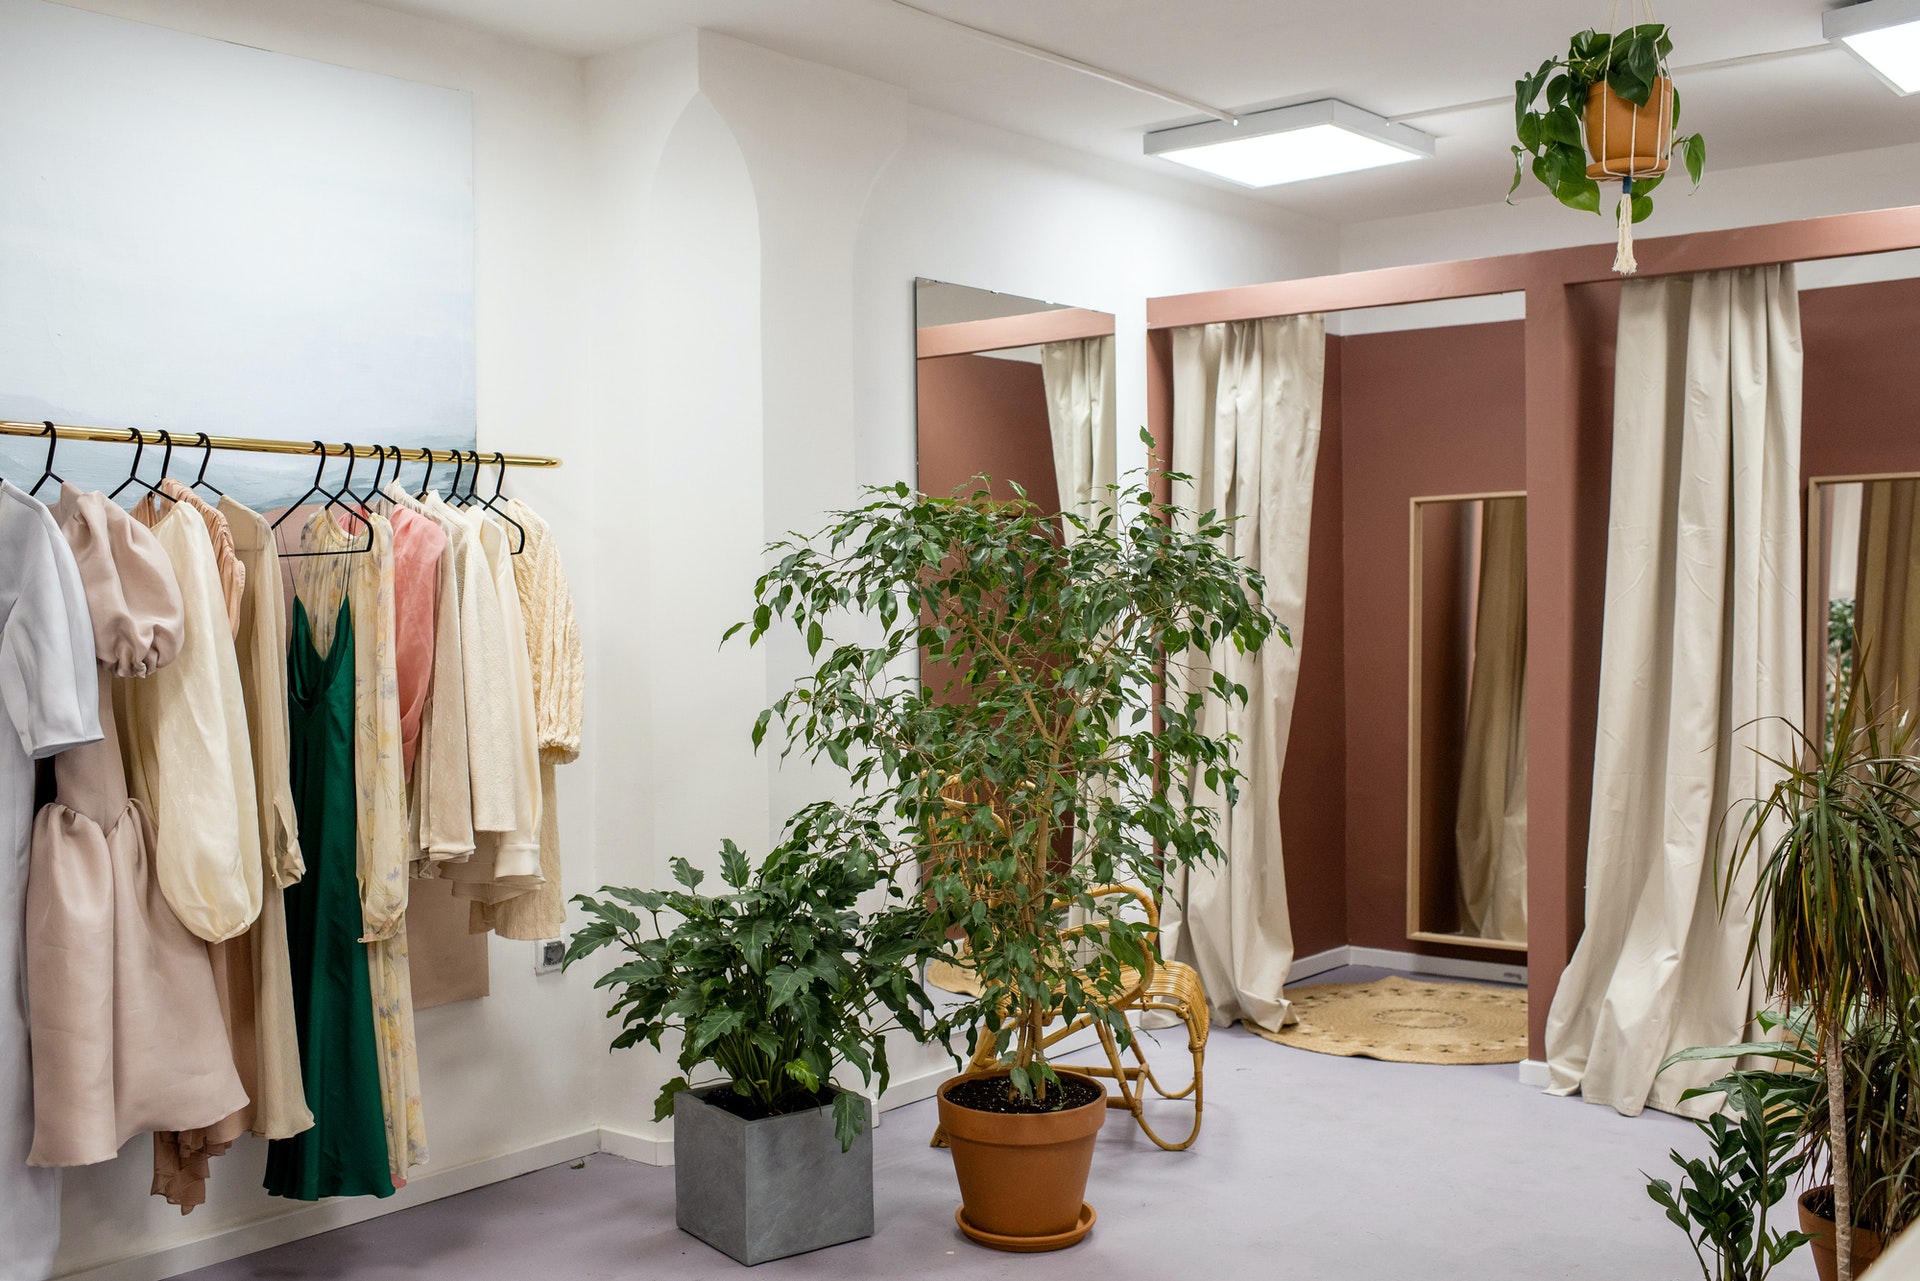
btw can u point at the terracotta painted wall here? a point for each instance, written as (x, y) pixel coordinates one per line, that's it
(981, 414)
(1313, 783)
(1423, 412)
(1862, 411)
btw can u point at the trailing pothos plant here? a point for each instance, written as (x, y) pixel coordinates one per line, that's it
(781, 980)
(1549, 107)
(1055, 726)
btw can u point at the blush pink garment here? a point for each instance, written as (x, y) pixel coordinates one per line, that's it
(417, 546)
(126, 1024)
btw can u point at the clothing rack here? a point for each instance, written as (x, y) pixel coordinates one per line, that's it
(261, 445)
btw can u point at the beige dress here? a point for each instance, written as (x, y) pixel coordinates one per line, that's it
(559, 699)
(184, 736)
(127, 1032)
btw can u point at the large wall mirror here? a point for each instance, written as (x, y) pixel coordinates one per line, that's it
(1863, 592)
(994, 373)
(1467, 741)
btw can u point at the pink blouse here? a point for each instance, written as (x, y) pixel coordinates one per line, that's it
(417, 544)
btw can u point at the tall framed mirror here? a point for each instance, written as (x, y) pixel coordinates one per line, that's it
(1863, 593)
(1467, 741)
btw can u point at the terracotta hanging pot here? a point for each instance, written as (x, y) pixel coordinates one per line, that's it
(1826, 1261)
(1629, 141)
(1023, 1178)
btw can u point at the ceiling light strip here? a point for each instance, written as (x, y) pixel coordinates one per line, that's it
(1071, 64)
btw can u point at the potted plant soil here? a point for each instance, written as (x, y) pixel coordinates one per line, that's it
(1606, 111)
(1057, 632)
(780, 984)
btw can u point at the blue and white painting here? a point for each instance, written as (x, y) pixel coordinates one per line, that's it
(200, 236)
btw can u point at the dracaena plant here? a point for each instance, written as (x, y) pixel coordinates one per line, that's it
(783, 980)
(1044, 756)
(1549, 104)
(1837, 929)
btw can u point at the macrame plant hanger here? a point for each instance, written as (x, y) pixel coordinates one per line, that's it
(1655, 133)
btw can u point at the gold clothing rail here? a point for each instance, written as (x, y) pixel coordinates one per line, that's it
(260, 445)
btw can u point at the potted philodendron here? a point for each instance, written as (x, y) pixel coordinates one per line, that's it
(780, 983)
(1058, 726)
(1837, 929)
(1605, 111)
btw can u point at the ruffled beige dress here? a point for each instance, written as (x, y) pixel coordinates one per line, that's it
(126, 1025)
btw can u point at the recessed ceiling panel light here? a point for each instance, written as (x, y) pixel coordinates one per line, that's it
(1884, 34)
(1291, 144)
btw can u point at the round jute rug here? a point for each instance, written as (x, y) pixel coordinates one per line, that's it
(1408, 1021)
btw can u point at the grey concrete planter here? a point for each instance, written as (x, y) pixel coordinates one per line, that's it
(760, 1190)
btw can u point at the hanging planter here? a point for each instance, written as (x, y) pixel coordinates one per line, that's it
(1606, 112)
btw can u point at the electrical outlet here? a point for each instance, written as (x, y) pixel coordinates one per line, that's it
(548, 953)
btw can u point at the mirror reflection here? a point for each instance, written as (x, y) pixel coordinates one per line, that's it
(1869, 616)
(1467, 795)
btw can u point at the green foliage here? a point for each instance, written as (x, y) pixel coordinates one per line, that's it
(1053, 725)
(779, 981)
(1721, 1200)
(1549, 107)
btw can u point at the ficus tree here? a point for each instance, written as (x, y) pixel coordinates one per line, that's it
(1057, 747)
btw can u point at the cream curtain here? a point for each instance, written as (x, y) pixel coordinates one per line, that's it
(1701, 643)
(1246, 428)
(1078, 375)
(1490, 827)
(1887, 594)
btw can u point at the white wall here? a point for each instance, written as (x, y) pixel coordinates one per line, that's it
(514, 1071)
(694, 269)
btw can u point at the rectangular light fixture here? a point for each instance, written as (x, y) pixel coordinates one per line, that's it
(1884, 34)
(1291, 144)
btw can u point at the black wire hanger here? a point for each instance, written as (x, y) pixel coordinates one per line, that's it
(200, 480)
(53, 442)
(493, 504)
(139, 440)
(426, 477)
(333, 500)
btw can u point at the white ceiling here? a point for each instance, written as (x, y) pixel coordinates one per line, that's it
(1388, 56)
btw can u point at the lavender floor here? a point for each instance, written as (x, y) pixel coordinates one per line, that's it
(1308, 1167)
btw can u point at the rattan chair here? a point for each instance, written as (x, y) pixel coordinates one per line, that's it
(1167, 987)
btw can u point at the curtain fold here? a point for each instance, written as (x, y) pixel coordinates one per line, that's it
(1700, 648)
(1490, 827)
(1246, 428)
(1887, 594)
(1079, 380)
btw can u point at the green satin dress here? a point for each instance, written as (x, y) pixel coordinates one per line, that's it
(345, 1153)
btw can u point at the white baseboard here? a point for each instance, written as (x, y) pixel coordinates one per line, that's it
(1442, 966)
(647, 1149)
(325, 1216)
(1305, 967)
(1533, 1072)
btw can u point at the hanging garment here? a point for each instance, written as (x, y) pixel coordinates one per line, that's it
(492, 737)
(345, 1152)
(1246, 427)
(233, 574)
(49, 689)
(1700, 678)
(559, 697)
(440, 795)
(366, 581)
(418, 546)
(189, 760)
(505, 864)
(1490, 826)
(1078, 375)
(1887, 595)
(279, 1098)
(127, 1030)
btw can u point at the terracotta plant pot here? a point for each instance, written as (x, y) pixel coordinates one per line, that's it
(1023, 1179)
(1627, 140)
(1866, 1245)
